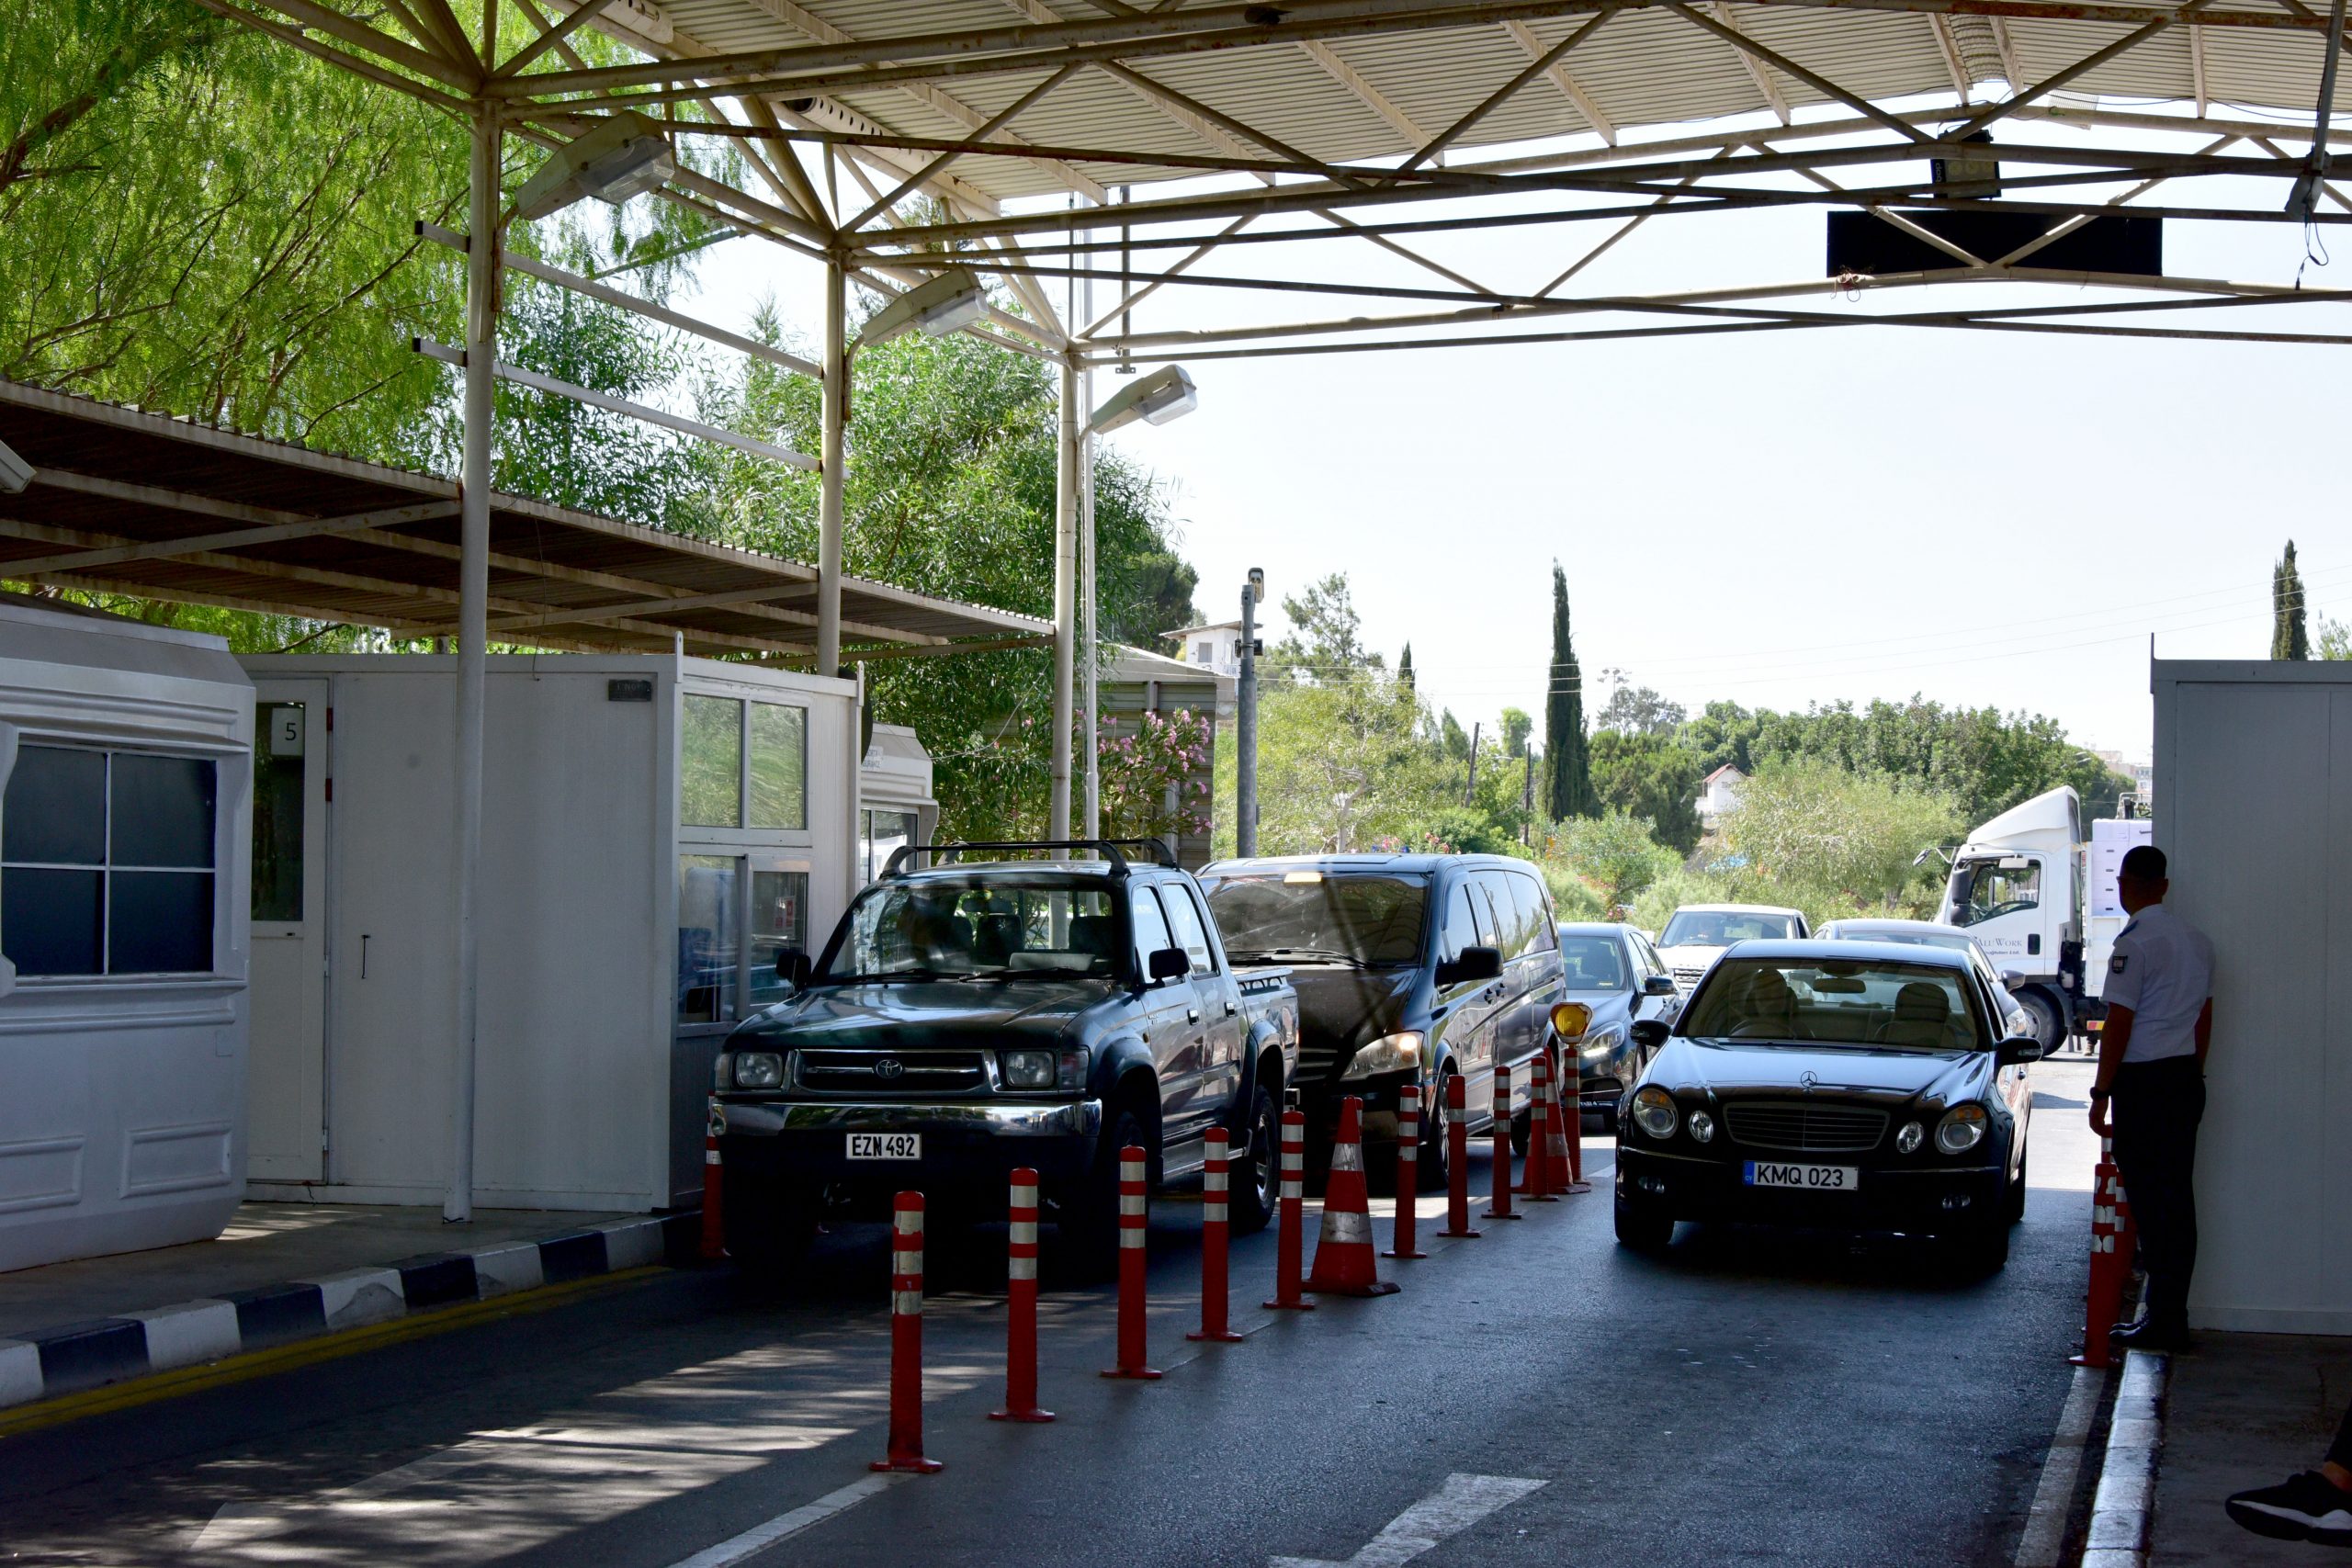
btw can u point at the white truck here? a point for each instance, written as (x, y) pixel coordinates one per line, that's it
(2041, 902)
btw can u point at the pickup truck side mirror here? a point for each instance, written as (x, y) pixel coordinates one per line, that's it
(1658, 986)
(1170, 964)
(2018, 1050)
(792, 967)
(1649, 1033)
(1474, 963)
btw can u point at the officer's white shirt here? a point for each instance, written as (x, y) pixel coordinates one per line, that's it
(2163, 970)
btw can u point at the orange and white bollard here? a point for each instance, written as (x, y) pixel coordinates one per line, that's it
(906, 1340)
(1216, 1234)
(1568, 1130)
(1021, 1307)
(1457, 1158)
(1134, 1216)
(1536, 1177)
(1402, 1243)
(1498, 1200)
(714, 1223)
(1290, 1240)
(2110, 1271)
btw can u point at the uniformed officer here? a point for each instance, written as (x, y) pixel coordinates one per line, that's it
(2159, 996)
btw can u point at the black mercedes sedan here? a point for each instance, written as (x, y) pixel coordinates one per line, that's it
(1848, 1085)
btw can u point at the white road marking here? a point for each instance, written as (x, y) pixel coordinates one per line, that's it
(759, 1537)
(1453, 1508)
(2045, 1523)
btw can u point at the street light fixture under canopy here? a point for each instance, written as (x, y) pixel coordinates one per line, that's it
(1165, 394)
(625, 156)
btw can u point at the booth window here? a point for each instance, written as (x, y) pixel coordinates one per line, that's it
(277, 813)
(707, 957)
(779, 923)
(881, 833)
(726, 763)
(107, 863)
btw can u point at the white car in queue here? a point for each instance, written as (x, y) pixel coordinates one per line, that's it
(1696, 935)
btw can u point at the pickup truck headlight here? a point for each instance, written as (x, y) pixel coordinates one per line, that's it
(1389, 1054)
(756, 1070)
(1654, 1111)
(1597, 1046)
(1026, 1069)
(1961, 1129)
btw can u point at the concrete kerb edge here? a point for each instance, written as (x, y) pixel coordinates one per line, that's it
(46, 1363)
(2125, 1505)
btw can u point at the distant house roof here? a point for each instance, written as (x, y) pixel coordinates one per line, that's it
(1719, 773)
(1205, 626)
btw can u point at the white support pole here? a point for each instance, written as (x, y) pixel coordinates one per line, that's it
(1065, 595)
(829, 494)
(1090, 545)
(473, 620)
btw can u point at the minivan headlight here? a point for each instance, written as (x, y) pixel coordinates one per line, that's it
(1595, 1046)
(1961, 1129)
(1389, 1054)
(1026, 1069)
(1654, 1111)
(757, 1070)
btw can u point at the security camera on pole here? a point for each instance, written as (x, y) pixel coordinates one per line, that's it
(1245, 723)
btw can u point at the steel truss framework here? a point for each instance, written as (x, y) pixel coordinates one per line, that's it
(1150, 145)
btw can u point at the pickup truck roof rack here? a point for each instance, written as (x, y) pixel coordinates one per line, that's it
(1107, 848)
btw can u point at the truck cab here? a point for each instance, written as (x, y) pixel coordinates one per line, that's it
(2017, 888)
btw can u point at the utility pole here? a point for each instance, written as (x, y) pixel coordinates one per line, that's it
(1470, 796)
(1527, 793)
(1245, 723)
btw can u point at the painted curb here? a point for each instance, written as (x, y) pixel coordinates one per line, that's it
(47, 1362)
(2126, 1504)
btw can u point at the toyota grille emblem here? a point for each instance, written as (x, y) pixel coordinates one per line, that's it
(888, 1067)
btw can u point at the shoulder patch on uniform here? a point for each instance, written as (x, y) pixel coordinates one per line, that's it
(2115, 965)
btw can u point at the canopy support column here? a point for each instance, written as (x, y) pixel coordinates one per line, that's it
(829, 493)
(473, 622)
(1065, 481)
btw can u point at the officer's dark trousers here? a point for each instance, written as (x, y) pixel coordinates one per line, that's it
(2155, 1110)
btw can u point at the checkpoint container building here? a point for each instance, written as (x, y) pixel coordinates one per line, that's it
(655, 829)
(126, 763)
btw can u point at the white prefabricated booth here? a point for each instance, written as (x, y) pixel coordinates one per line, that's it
(654, 829)
(126, 752)
(2254, 809)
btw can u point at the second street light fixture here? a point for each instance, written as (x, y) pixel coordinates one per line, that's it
(1165, 394)
(625, 156)
(936, 307)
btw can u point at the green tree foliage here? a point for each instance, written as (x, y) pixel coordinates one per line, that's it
(1342, 766)
(2288, 639)
(1723, 732)
(1638, 710)
(2334, 639)
(1652, 776)
(1616, 855)
(1518, 726)
(949, 489)
(1838, 838)
(1405, 667)
(1564, 737)
(1325, 636)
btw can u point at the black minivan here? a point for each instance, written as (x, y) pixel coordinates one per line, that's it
(1410, 968)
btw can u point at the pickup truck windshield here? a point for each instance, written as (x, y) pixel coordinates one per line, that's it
(1721, 928)
(990, 928)
(1310, 916)
(1830, 1001)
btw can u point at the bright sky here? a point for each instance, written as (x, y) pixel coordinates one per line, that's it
(1776, 518)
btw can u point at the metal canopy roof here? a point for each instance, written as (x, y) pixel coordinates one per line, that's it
(217, 518)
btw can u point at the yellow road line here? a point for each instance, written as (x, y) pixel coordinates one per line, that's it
(308, 1352)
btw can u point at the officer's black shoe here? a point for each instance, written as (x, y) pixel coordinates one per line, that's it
(2303, 1507)
(2149, 1333)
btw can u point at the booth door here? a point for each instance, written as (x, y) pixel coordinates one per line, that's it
(285, 1128)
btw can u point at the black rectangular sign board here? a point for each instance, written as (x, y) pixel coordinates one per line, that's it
(1865, 243)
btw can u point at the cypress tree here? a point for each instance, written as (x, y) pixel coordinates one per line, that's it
(1405, 668)
(2288, 638)
(1563, 739)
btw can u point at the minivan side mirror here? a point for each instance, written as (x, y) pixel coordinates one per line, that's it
(1658, 986)
(2018, 1050)
(1170, 964)
(1472, 964)
(792, 967)
(1649, 1033)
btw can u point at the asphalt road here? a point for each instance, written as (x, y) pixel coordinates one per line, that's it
(1752, 1396)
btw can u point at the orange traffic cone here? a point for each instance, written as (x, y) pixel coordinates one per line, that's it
(1343, 1256)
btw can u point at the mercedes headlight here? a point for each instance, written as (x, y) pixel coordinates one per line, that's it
(1604, 1043)
(757, 1070)
(1026, 1069)
(1961, 1129)
(1654, 1111)
(1389, 1054)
